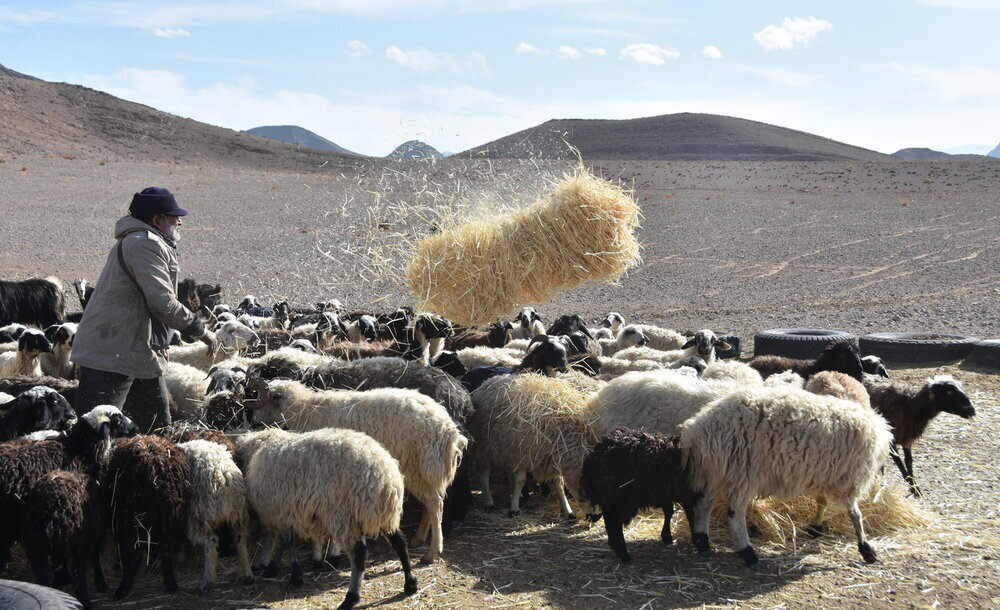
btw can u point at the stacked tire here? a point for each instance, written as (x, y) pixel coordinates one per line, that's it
(917, 348)
(797, 342)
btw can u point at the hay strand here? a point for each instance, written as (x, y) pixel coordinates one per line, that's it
(483, 269)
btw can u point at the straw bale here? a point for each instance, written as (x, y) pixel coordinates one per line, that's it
(485, 268)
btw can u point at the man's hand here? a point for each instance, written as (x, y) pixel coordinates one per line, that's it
(209, 339)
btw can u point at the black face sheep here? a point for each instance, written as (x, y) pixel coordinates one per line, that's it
(38, 302)
(11, 333)
(498, 334)
(248, 301)
(450, 363)
(838, 356)
(149, 481)
(529, 324)
(353, 486)
(39, 408)
(27, 359)
(546, 355)
(632, 470)
(873, 365)
(362, 330)
(909, 408)
(782, 442)
(21, 383)
(414, 428)
(57, 362)
(568, 323)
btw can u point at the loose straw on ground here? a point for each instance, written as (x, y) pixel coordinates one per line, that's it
(482, 270)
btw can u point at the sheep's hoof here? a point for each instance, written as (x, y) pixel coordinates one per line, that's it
(350, 600)
(868, 553)
(489, 508)
(915, 492)
(816, 530)
(204, 588)
(513, 513)
(667, 540)
(296, 579)
(749, 557)
(410, 586)
(570, 517)
(426, 560)
(700, 542)
(271, 571)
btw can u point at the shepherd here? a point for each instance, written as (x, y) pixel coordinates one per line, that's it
(121, 345)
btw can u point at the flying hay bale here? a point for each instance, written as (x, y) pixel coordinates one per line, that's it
(484, 269)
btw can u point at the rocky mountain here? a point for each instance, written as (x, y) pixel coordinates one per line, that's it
(919, 154)
(415, 149)
(683, 136)
(5, 71)
(298, 135)
(995, 152)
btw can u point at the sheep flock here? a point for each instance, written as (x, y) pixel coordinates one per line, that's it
(320, 427)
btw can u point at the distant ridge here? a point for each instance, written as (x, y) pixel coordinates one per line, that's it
(995, 152)
(5, 71)
(298, 135)
(415, 149)
(919, 154)
(684, 136)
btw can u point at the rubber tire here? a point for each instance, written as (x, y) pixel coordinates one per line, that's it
(797, 342)
(17, 595)
(986, 353)
(734, 343)
(904, 348)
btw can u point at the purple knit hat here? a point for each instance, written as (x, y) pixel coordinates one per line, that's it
(153, 201)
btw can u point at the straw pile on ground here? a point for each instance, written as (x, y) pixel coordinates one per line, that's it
(482, 270)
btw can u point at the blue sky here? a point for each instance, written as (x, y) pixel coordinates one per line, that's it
(369, 74)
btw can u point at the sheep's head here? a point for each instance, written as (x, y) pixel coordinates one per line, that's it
(500, 334)
(429, 326)
(449, 362)
(526, 316)
(61, 334)
(566, 324)
(331, 305)
(11, 332)
(33, 343)
(631, 336)
(546, 354)
(367, 327)
(705, 341)
(234, 335)
(873, 365)
(108, 422)
(247, 302)
(227, 379)
(220, 309)
(304, 345)
(224, 410)
(613, 320)
(51, 411)
(266, 405)
(282, 310)
(841, 356)
(948, 395)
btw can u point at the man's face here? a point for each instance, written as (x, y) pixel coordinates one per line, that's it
(169, 226)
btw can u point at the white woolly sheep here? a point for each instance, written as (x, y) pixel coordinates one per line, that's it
(785, 379)
(663, 339)
(234, 338)
(615, 367)
(782, 442)
(415, 429)
(528, 324)
(218, 501)
(351, 484)
(188, 387)
(27, 359)
(473, 357)
(702, 344)
(57, 362)
(839, 385)
(629, 336)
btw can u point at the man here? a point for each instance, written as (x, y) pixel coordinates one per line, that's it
(123, 336)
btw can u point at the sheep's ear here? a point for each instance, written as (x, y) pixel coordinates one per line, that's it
(690, 343)
(104, 430)
(722, 345)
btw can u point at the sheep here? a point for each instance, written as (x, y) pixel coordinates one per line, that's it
(65, 517)
(27, 359)
(529, 423)
(832, 383)
(234, 338)
(425, 339)
(348, 350)
(353, 486)
(663, 339)
(57, 362)
(218, 502)
(38, 302)
(183, 432)
(529, 324)
(568, 323)
(474, 357)
(414, 428)
(497, 335)
(450, 363)
(10, 334)
(247, 302)
(39, 408)
(187, 387)
(304, 345)
(784, 378)
(615, 367)
(873, 365)
(909, 408)
(362, 330)
(702, 344)
(613, 322)
(149, 480)
(630, 336)
(20, 383)
(6, 400)
(22, 464)
(827, 446)
(520, 344)
(734, 371)
(839, 356)
(632, 470)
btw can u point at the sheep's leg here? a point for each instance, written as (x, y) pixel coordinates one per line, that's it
(295, 581)
(894, 452)
(398, 542)
(699, 527)
(517, 479)
(668, 514)
(564, 507)
(99, 582)
(864, 548)
(908, 456)
(244, 557)
(741, 539)
(616, 537)
(130, 562)
(423, 529)
(816, 528)
(167, 554)
(357, 576)
(322, 556)
(436, 545)
(211, 563)
(484, 487)
(38, 557)
(267, 559)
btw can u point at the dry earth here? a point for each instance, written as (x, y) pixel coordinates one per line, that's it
(734, 246)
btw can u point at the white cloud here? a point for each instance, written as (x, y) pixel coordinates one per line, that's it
(647, 53)
(952, 83)
(779, 76)
(711, 52)
(425, 61)
(567, 52)
(357, 48)
(524, 48)
(592, 51)
(793, 31)
(170, 32)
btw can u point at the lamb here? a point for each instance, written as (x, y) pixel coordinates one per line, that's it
(57, 362)
(497, 335)
(702, 344)
(20, 383)
(631, 470)
(353, 486)
(415, 429)
(530, 423)
(10, 334)
(663, 339)
(873, 365)
(474, 357)
(150, 483)
(529, 324)
(27, 359)
(828, 446)
(218, 502)
(37, 302)
(839, 356)
(630, 336)
(362, 330)
(832, 383)
(234, 338)
(567, 324)
(909, 408)
(39, 408)
(615, 367)
(188, 387)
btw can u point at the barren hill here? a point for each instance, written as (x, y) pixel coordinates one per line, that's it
(920, 154)
(43, 118)
(298, 135)
(683, 136)
(415, 149)
(5, 71)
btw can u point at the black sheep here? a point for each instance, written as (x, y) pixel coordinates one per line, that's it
(839, 356)
(16, 384)
(567, 324)
(631, 470)
(37, 302)
(39, 408)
